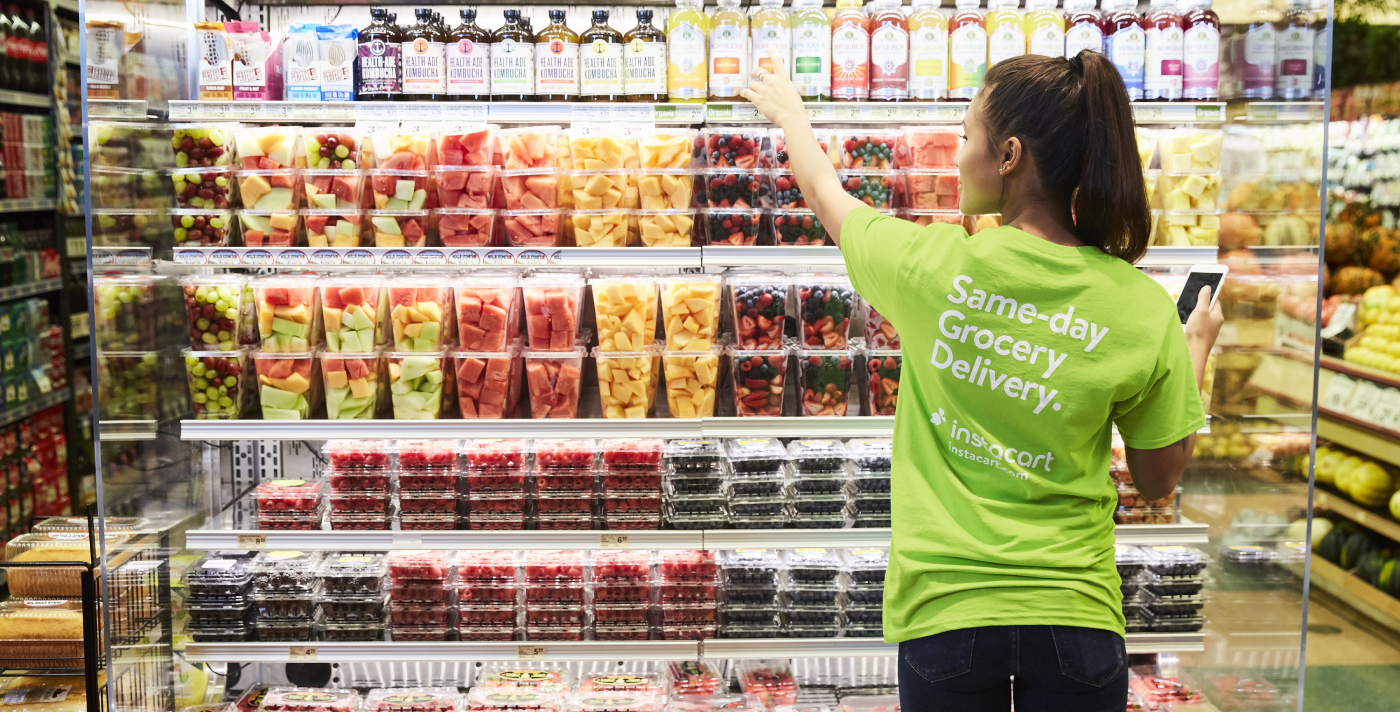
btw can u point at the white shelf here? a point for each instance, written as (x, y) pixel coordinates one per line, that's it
(117, 109)
(664, 539)
(437, 429)
(24, 205)
(126, 430)
(753, 648)
(795, 427)
(1152, 112)
(436, 257)
(778, 256)
(499, 112)
(1179, 256)
(1284, 111)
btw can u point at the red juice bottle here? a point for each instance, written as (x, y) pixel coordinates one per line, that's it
(1259, 56)
(1162, 65)
(1083, 27)
(1200, 53)
(1295, 53)
(889, 52)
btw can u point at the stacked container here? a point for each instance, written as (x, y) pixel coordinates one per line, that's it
(817, 491)
(565, 483)
(813, 592)
(361, 488)
(285, 589)
(863, 604)
(290, 504)
(1171, 589)
(631, 483)
(428, 478)
(414, 699)
(694, 484)
(353, 362)
(753, 604)
(354, 597)
(422, 596)
(220, 600)
(622, 594)
(556, 595)
(488, 585)
(488, 359)
(496, 477)
(869, 466)
(687, 594)
(1131, 562)
(755, 484)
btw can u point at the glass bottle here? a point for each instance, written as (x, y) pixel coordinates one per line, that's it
(423, 48)
(17, 49)
(39, 54)
(928, 52)
(1295, 53)
(644, 61)
(1162, 55)
(469, 60)
(811, 50)
(1045, 28)
(512, 63)
(850, 52)
(557, 60)
(1126, 43)
(889, 52)
(1200, 52)
(7, 80)
(1006, 31)
(967, 51)
(1320, 49)
(1260, 56)
(729, 51)
(770, 26)
(686, 70)
(1084, 27)
(379, 71)
(600, 61)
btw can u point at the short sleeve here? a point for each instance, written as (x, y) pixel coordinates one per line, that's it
(1169, 407)
(876, 248)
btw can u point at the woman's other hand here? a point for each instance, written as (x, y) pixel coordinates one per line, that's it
(773, 94)
(1202, 328)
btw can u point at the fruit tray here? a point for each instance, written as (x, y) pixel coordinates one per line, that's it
(487, 591)
(286, 570)
(486, 632)
(622, 612)
(609, 592)
(310, 699)
(630, 480)
(360, 502)
(439, 482)
(1131, 560)
(817, 456)
(353, 574)
(718, 520)
(866, 566)
(564, 455)
(291, 630)
(687, 566)
(762, 595)
(420, 565)
(752, 567)
(800, 594)
(415, 502)
(214, 613)
(563, 503)
(563, 592)
(684, 612)
(219, 575)
(486, 566)
(289, 495)
(870, 454)
(618, 566)
(486, 614)
(285, 604)
(690, 677)
(1171, 585)
(342, 608)
(769, 680)
(288, 521)
(413, 699)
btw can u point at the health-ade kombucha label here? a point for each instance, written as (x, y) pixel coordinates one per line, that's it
(468, 68)
(889, 62)
(968, 66)
(645, 67)
(379, 67)
(601, 68)
(512, 68)
(423, 71)
(556, 68)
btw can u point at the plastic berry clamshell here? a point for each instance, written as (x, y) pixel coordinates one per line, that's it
(687, 566)
(553, 566)
(1175, 560)
(486, 567)
(420, 564)
(631, 453)
(817, 456)
(572, 454)
(813, 565)
(310, 699)
(413, 699)
(427, 455)
(289, 495)
(755, 457)
(752, 567)
(771, 681)
(496, 455)
(617, 701)
(219, 574)
(684, 457)
(353, 574)
(621, 682)
(286, 570)
(357, 455)
(696, 678)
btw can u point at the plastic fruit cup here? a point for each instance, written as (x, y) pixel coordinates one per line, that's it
(204, 188)
(488, 383)
(738, 148)
(786, 193)
(288, 385)
(279, 189)
(671, 189)
(530, 189)
(352, 385)
(758, 381)
(416, 306)
(213, 303)
(667, 148)
(333, 228)
(202, 145)
(799, 228)
(1189, 192)
(930, 217)
(735, 188)
(601, 228)
(927, 189)
(397, 190)
(216, 383)
(597, 190)
(825, 139)
(464, 227)
(287, 313)
(760, 310)
(590, 151)
(882, 382)
(918, 147)
(552, 305)
(868, 149)
(126, 227)
(487, 316)
(879, 332)
(824, 306)
(730, 226)
(690, 312)
(826, 381)
(351, 313)
(553, 379)
(398, 152)
(529, 147)
(270, 228)
(627, 382)
(129, 384)
(332, 189)
(691, 381)
(420, 385)
(1191, 150)
(626, 312)
(202, 228)
(128, 310)
(1190, 227)
(532, 228)
(399, 228)
(465, 186)
(874, 189)
(268, 147)
(466, 149)
(666, 228)
(331, 149)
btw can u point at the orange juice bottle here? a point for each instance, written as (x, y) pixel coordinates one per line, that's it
(729, 51)
(850, 52)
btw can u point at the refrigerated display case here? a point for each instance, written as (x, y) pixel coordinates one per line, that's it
(398, 420)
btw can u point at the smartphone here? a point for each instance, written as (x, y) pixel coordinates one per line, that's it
(1200, 276)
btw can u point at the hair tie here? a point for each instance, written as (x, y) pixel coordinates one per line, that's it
(1077, 64)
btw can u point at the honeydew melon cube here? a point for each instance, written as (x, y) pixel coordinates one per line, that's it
(277, 398)
(275, 199)
(290, 328)
(403, 189)
(280, 414)
(324, 200)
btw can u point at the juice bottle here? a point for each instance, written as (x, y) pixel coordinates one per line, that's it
(850, 52)
(686, 71)
(1295, 53)
(600, 78)
(1260, 56)
(1126, 43)
(889, 52)
(556, 60)
(512, 60)
(928, 52)
(379, 59)
(1084, 27)
(967, 51)
(644, 61)
(1006, 31)
(770, 26)
(1161, 79)
(1320, 48)
(729, 51)
(1045, 28)
(811, 50)
(423, 49)
(1200, 52)
(469, 60)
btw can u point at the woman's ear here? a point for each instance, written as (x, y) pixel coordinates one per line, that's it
(1011, 151)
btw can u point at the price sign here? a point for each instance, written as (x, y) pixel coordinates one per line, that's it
(464, 113)
(337, 111)
(612, 541)
(420, 112)
(411, 127)
(1386, 411)
(587, 112)
(1365, 397)
(189, 257)
(279, 111)
(1338, 393)
(301, 652)
(246, 110)
(885, 112)
(849, 112)
(377, 128)
(183, 110)
(642, 113)
(252, 541)
(530, 652)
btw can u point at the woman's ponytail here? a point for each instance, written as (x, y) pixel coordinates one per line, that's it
(1075, 120)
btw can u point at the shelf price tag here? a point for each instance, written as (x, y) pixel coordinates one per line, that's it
(1365, 397)
(1385, 409)
(280, 111)
(252, 541)
(301, 652)
(1338, 393)
(530, 652)
(612, 541)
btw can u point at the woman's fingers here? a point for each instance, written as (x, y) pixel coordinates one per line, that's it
(779, 66)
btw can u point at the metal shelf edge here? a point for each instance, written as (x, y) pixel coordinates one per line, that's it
(435, 429)
(46, 400)
(27, 205)
(29, 289)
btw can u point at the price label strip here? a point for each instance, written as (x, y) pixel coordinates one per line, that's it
(301, 652)
(612, 541)
(1366, 396)
(530, 652)
(252, 541)
(1386, 410)
(1338, 393)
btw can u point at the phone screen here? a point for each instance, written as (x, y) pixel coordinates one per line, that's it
(1186, 303)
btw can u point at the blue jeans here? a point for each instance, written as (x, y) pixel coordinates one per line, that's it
(1056, 669)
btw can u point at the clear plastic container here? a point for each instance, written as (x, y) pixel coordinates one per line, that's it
(213, 303)
(927, 147)
(223, 611)
(413, 614)
(349, 631)
(289, 317)
(420, 564)
(483, 699)
(684, 457)
(734, 227)
(289, 495)
(203, 188)
(771, 681)
(353, 574)
(374, 521)
(360, 502)
(286, 570)
(486, 566)
(487, 312)
(413, 699)
(1171, 585)
(827, 378)
(666, 227)
(553, 566)
(552, 307)
(1190, 150)
(825, 304)
(687, 566)
(417, 308)
(534, 189)
(285, 603)
(797, 228)
(573, 454)
(752, 567)
(868, 149)
(866, 567)
(533, 228)
(219, 387)
(813, 565)
(486, 632)
(747, 148)
(870, 455)
(879, 190)
(817, 456)
(356, 455)
(528, 147)
(278, 630)
(691, 677)
(310, 699)
(189, 228)
(472, 148)
(667, 189)
(488, 383)
(627, 683)
(465, 186)
(737, 188)
(217, 574)
(750, 457)
(760, 310)
(466, 227)
(492, 456)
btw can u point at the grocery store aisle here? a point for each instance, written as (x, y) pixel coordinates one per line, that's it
(1352, 664)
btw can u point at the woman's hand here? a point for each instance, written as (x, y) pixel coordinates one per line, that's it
(1202, 328)
(773, 94)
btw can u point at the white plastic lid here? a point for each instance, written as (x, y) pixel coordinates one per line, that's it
(1003, 4)
(968, 4)
(1041, 4)
(1084, 4)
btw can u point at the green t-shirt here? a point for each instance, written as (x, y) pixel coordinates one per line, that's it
(1019, 357)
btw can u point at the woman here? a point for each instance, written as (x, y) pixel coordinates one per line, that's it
(1023, 346)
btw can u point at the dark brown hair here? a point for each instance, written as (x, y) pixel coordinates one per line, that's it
(1074, 118)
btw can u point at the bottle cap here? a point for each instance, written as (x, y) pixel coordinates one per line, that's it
(644, 15)
(556, 16)
(770, 3)
(968, 4)
(1004, 4)
(600, 17)
(469, 15)
(1079, 4)
(1041, 4)
(423, 14)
